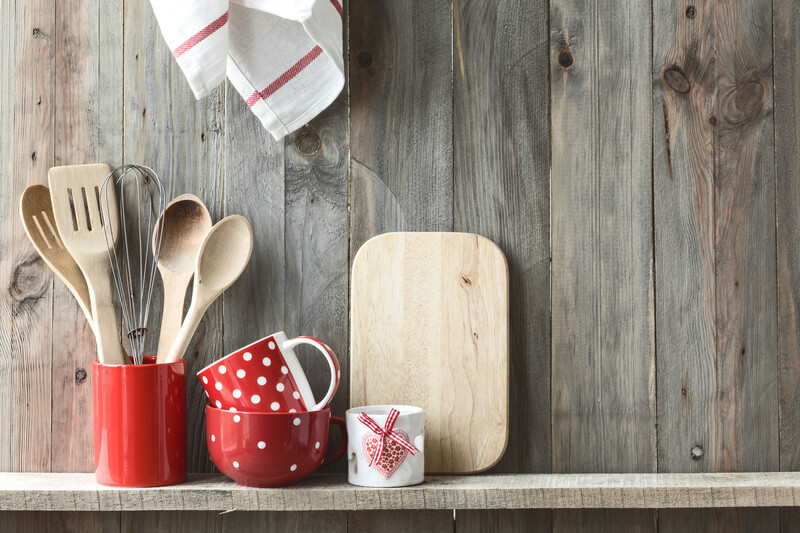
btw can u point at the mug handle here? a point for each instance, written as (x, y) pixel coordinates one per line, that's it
(333, 364)
(341, 446)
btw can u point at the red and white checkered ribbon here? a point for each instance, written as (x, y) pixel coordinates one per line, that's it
(386, 432)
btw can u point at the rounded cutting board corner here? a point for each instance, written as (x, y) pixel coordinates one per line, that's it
(430, 327)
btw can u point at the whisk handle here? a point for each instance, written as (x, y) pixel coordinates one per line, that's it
(185, 334)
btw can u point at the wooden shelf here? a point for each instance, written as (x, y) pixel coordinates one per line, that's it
(80, 492)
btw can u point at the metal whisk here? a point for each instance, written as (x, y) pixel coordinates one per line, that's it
(134, 252)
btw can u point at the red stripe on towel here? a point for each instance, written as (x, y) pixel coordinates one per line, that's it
(284, 78)
(338, 7)
(192, 41)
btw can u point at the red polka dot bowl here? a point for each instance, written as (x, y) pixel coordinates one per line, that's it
(261, 449)
(266, 376)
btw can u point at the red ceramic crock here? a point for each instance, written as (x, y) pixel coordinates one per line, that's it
(271, 449)
(140, 423)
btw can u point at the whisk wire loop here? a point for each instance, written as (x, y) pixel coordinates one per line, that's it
(133, 262)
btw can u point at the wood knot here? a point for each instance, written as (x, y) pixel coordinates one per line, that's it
(743, 102)
(691, 12)
(364, 59)
(465, 281)
(29, 282)
(565, 58)
(676, 79)
(697, 452)
(80, 376)
(308, 143)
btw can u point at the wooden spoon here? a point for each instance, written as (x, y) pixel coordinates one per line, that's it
(186, 223)
(221, 260)
(36, 210)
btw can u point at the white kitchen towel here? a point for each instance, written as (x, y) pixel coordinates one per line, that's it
(283, 56)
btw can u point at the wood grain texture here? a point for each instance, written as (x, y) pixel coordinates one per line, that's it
(288, 522)
(786, 45)
(530, 521)
(714, 183)
(715, 243)
(214, 492)
(8, 205)
(399, 521)
(27, 298)
(433, 307)
(603, 358)
(401, 118)
(169, 521)
(786, 40)
(502, 191)
(316, 286)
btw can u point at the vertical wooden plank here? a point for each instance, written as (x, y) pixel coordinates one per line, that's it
(530, 521)
(182, 139)
(316, 282)
(298, 522)
(401, 127)
(88, 125)
(27, 282)
(502, 190)
(399, 521)
(603, 361)
(401, 142)
(786, 45)
(714, 186)
(606, 520)
(169, 521)
(8, 210)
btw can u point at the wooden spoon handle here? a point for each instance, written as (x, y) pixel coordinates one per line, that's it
(172, 314)
(185, 334)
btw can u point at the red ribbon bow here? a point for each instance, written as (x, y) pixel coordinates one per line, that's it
(386, 433)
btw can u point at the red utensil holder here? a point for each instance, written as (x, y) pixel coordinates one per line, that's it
(140, 423)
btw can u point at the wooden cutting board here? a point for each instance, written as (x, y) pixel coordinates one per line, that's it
(429, 327)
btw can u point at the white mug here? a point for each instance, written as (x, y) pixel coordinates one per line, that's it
(398, 466)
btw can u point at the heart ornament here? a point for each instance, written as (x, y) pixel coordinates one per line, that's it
(393, 454)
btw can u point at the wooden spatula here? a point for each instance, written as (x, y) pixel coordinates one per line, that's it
(75, 193)
(36, 211)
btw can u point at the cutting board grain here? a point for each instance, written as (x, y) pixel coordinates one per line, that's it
(429, 320)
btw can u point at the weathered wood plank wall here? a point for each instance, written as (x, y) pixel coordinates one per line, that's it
(632, 162)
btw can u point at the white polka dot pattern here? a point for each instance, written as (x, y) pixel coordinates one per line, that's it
(236, 418)
(280, 387)
(293, 468)
(237, 393)
(222, 369)
(236, 464)
(296, 395)
(316, 445)
(219, 404)
(262, 380)
(271, 345)
(255, 398)
(284, 370)
(205, 380)
(240, 373)
(247, 356)
(218, 385)
(262, 445)
(296, 421)
(213, 438)
(275, 406)
(266, 361)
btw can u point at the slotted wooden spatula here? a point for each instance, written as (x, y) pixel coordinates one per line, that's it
(36, 211)
(75, 193)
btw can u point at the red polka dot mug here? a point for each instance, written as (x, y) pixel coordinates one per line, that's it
(266, 376)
